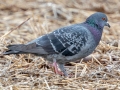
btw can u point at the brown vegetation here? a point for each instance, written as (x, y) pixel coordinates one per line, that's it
(100, 71)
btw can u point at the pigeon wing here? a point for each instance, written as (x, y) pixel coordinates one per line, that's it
(71, 39)
(67, 40)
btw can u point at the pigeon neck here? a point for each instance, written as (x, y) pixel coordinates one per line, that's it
(93, 24)
(97, 33)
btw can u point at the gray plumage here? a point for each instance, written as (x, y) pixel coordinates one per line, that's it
(66, 44)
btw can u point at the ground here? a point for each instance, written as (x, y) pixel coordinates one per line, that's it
(24, 20)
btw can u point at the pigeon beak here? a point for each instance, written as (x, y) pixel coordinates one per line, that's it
(107, 24)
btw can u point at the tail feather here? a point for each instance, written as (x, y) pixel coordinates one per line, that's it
(25, 49)
(17, 47)
(11, 52)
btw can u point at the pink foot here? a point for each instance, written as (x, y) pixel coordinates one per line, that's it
(55, 68)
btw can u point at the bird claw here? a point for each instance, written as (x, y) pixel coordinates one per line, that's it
(55, 69)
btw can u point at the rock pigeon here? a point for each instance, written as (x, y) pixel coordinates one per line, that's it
(66, 44)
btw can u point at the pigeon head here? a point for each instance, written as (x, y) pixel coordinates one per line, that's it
(98, 20)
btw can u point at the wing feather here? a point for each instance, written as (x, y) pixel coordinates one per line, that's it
(67, 40)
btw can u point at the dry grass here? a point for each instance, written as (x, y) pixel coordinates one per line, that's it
(29, 72)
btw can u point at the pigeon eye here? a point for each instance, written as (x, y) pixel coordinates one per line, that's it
(103, 19)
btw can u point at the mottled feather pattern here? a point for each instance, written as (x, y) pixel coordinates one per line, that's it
(67, 40)
(72, 39)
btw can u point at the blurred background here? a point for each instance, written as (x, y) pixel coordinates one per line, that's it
(28, 72)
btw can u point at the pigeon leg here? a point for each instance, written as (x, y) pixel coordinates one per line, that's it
(61, 66)
(56, 68)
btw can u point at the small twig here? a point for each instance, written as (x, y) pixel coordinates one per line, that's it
(47, 84)
(96, 60)
(83, 71)
(75, 71)
(15, 63)
(3, 37)
(110, 74)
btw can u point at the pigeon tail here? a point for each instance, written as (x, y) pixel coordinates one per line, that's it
(12, 52)
(14, 49)
(25, 49)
